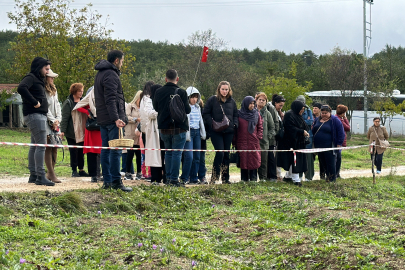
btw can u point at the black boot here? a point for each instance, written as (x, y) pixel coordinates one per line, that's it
(42, 180)
(33, 178)
(106, 185)
(117, 184)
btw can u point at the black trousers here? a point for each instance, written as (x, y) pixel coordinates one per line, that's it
(93, 164)
(338, 162)
(378, 160)
(221, 141)
(329, 161)
(248, 175)
(76, 155)
(130, 157)
(271, 164)
(322, 168)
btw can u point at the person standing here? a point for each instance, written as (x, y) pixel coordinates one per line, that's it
(54, 117)
(132, 132)
(173, 133)
(74, 130)
(35, 108)
(275, 108)
(83, 110)
(316, 109)
(376, 133)
(194, 136)
(295, 131)
(309, 120)
(328, 133)
(110, 106)
(268, 135)
(341, 114)
(248, 137)
(216, 108)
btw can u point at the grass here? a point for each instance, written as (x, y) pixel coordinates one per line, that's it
(349, 225)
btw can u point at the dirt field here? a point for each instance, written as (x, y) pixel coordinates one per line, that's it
(19, 184)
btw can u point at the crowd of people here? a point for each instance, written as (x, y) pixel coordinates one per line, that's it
(259, 125)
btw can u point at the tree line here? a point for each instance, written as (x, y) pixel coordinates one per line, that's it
(77, 39)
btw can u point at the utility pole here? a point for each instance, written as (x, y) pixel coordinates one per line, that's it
(365, 36)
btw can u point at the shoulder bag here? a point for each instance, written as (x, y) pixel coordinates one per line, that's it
(384, 143)
(91, 123)
(220, 126)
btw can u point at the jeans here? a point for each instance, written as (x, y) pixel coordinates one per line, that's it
(328, 159)
(192, 159)
(36, 122)
(221, 141)
(173, 158)
(110, 159)
(378, 160)
(202, 170)
(76, 155)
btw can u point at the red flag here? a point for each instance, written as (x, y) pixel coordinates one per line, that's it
(205, 54)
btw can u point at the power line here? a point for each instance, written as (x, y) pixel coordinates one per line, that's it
(199, 4)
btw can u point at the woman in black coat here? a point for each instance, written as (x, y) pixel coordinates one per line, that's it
(214, 110)
(295, 132)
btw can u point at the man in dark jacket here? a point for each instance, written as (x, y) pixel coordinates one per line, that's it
(35, 108)
(110, 106)
(173, 133)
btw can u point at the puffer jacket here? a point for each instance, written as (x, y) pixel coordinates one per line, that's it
(109, 96)
(268, 129)
(247, 141)
(190, 91)
(32, 91)
(276, 122)
(132, 112)
(212, 111)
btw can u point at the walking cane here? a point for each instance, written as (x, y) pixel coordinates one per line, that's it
(373, 162)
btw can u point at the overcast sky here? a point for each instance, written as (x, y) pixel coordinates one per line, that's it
(291, 26)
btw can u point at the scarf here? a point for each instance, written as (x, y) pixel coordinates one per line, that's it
(249, 115)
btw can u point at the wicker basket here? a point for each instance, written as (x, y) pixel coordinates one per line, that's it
(121, 142)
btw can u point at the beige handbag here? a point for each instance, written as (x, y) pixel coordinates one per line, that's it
(384, 143)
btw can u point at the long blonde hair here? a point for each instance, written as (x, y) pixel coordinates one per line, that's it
(50, 88)
(136, 98)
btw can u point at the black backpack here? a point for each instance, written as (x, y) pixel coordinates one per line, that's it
(176, 106)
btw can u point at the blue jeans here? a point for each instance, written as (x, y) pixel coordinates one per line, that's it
(173, 158)
(192, 159)
(36, 122)
(110, 159)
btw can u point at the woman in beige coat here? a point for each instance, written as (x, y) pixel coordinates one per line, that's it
(132, 132)
(377, 133)
(54, 117)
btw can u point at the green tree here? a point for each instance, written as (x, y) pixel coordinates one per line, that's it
(74, 40)
(287, 87)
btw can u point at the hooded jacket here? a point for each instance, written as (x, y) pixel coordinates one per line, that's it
(190, 91)
(161, 102)
(32, 89)
(109, 96)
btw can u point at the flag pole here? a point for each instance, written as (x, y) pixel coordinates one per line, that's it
(199, 61)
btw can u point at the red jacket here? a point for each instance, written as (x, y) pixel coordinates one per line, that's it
(247, 141)
(91, 138)
(346, 127)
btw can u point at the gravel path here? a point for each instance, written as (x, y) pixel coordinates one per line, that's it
(10, 183)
